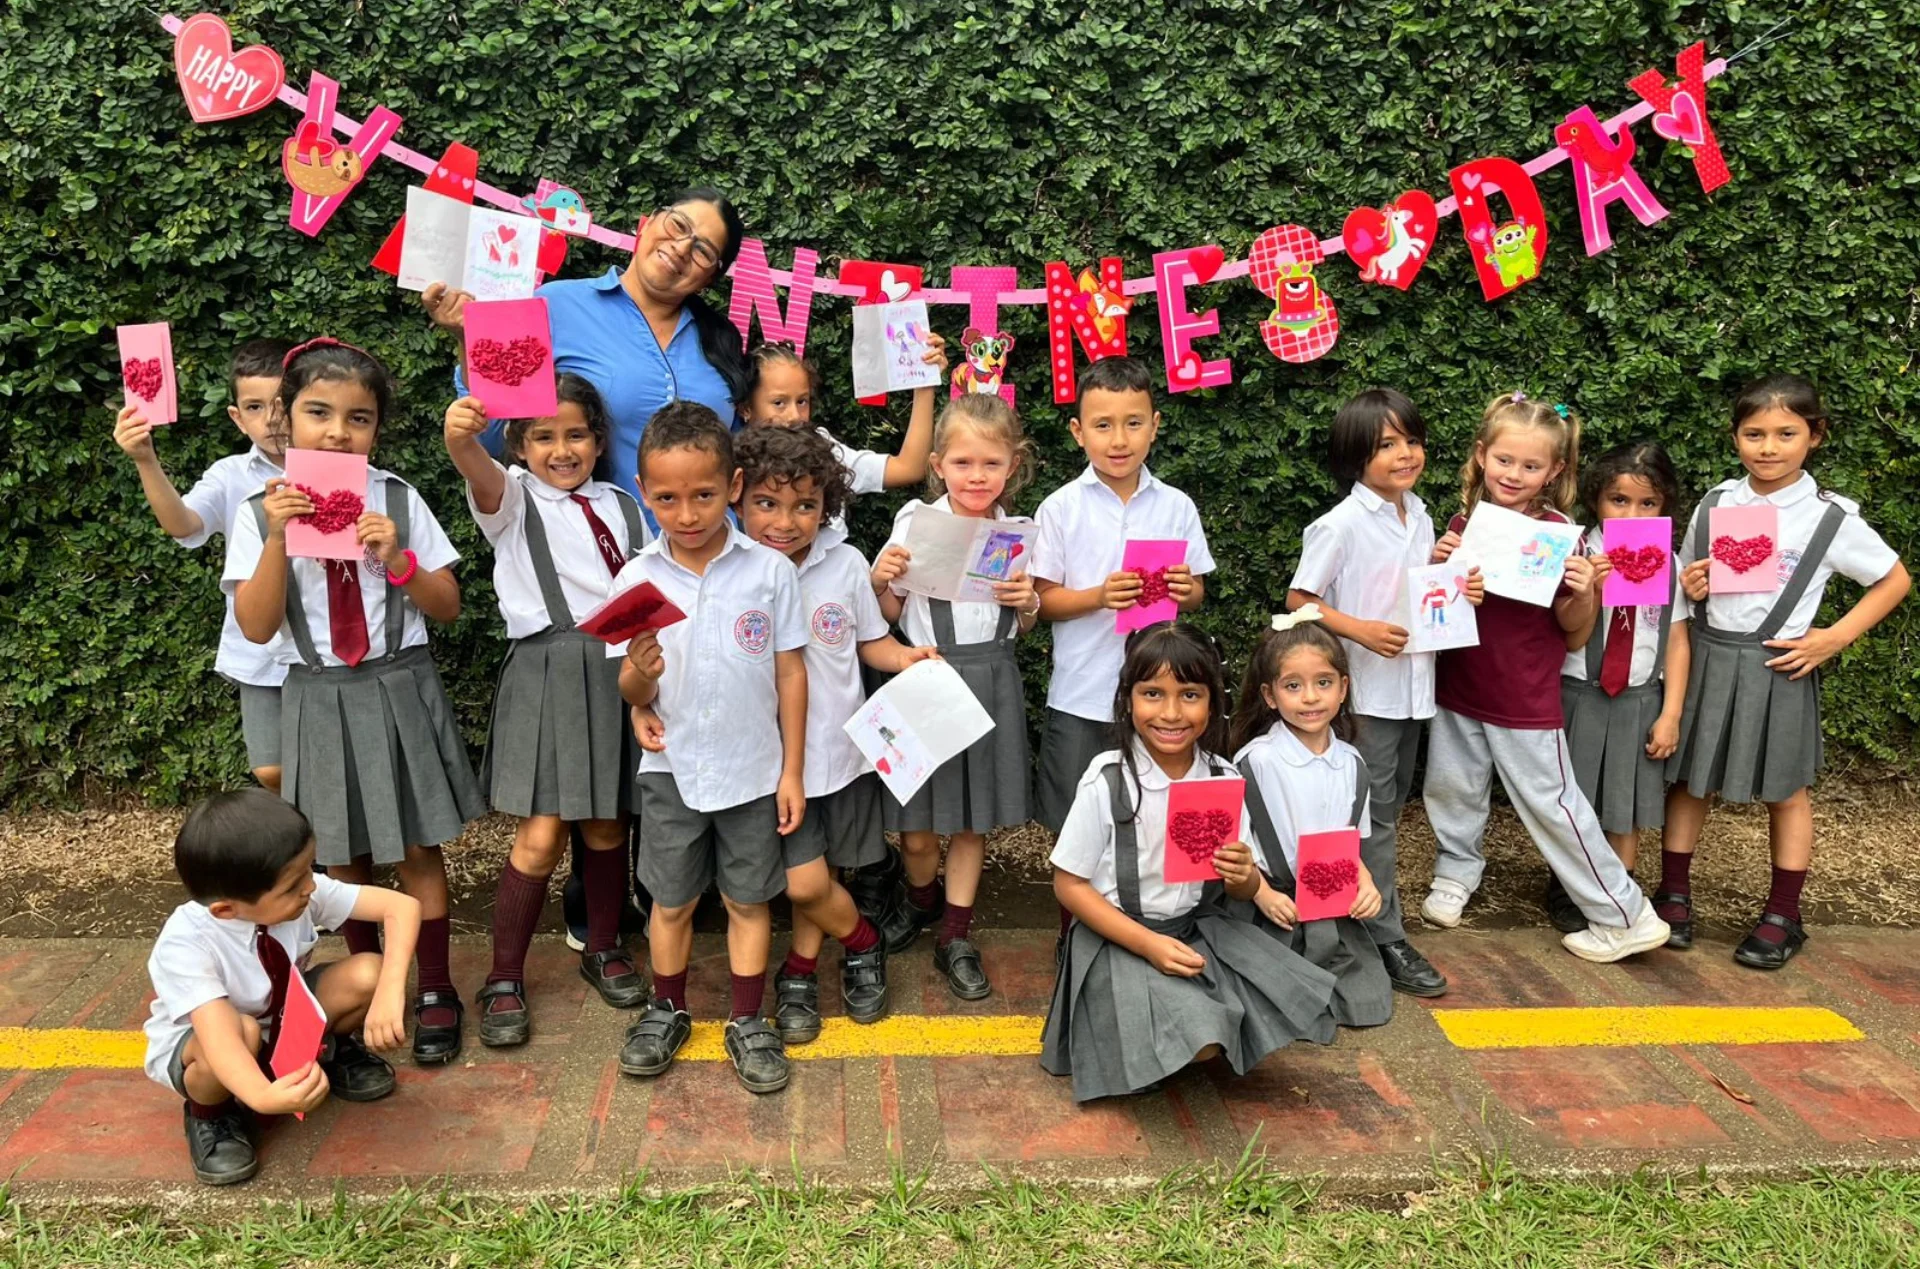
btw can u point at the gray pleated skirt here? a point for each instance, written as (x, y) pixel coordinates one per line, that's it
(559, 743)
(1362, 992)
(985, 787)
(1747, 733)
(1118, 1025)
(1607, 736)
(372, 757)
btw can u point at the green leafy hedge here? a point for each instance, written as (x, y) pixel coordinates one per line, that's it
(945, 134)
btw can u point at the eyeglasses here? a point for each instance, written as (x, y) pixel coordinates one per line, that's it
(680, 229)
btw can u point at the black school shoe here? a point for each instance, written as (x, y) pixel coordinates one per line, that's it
(221, 1149)
(959, 961)
(796, 1009)
(904, 923)
(436, 1046)
(1410, 972)
(1757, 953)
(759, 1057)
(353, 1073)
(1680, 928)
(652, 1041)
(613, 975)
(863, 984)
(504, 1028)
(1562, 911)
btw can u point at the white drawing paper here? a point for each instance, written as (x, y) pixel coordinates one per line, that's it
(960, 557)
(1518, 556)
(433, 246)
(1438, 614)
(926, 715)
(889, 348)
(503, 255)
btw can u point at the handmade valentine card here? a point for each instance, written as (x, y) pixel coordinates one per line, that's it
(1518, 556)
(503, 255)
(218, 82)
(1744, 543)
(881, 283)
(924, 716)
(452, 177)
(1151, 558)
(302, 1030)
(337, 483)
(1641, 553)
(1202, 816)
(1326, 873)
(962, 557)
(1439, 616)
(433, 240)
(627, 614)
(510, 358)
(890, 348)
(146, 370)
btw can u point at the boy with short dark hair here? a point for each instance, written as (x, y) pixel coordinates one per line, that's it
(221, 971)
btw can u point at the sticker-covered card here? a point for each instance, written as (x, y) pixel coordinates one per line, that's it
(1640, 551)
(1439, 616)
(1519, 557)
(1327, 878)
(1151, 558)
(1744, 543)
(922, 717)
(337, 483)
(146, 371)
(1202, 816)
(510, 358)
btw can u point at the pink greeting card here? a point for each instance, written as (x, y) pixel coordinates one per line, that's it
(1744, 543)
(337, 483)
(630, 612)
(1202, 816)
(1327, 873)
(1641, 552)
(1151, 558)
(510, 358)
(302, 1030)
(146, 370)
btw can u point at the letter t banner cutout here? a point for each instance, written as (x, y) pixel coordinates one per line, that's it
(1173, 273)
(321, 171)
(1603, 175)
(881, 284)
(1094, 310)
(983, 285)
(1680, 114)
(1507, 256)
(753, 292)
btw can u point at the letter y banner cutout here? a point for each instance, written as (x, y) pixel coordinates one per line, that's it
(1680, 114)
(321, 171)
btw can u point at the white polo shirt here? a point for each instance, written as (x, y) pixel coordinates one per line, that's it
(1304, 791)
(584, 577)
(425, 538)
(866, 468)
(1084, 529)
(1356, 558)
(222, 491)
(200, 958)
(718, 701)
(837, 599)
(1085, 846)
(973, 621)
(1857, 552)
(1646, 624)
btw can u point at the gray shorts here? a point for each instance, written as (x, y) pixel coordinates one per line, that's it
(177, 1063)
(843, 825)
(1068, 747)
(683, 851)
(260, 724)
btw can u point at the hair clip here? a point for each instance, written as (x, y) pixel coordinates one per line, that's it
(1517, 397)
(1561, 410)
(1299, 616)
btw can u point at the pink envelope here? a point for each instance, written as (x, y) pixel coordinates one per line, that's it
(303, 1029)
(1745, 546)
(1641, 552)
(1327, 875)
(337, 483)
(146, 371)
(1151, 558)
(636, 609)
(1202, 816)
(510, 358)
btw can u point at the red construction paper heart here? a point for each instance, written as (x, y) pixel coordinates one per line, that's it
(1390, 244)
(1680, 121)
(205, 47)
(1206, 261)
(508, 363)
(1153, 586)
(144, 377)
(1743, 554)
(1637, 564)
(333, 512)
(1198, 834)
(1326, 877)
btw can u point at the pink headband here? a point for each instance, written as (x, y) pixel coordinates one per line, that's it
(323, 341)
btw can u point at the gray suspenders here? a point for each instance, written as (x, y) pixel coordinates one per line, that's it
(1126, 844)
(941, 613)
(400, 511)
(1277, 867)
(1810, 560)
(559, 615)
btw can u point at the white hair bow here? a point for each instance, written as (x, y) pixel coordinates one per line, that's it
(1288, 620)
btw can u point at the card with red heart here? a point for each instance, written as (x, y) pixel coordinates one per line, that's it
(1326, 873)
(1202, 816)
(337, 483)
(1641, 553)
(1151, 558)
(1744, 544)
(503, 255)
(633, 610)
(510, 358)
(146, 371)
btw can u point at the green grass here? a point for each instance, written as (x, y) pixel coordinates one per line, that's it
(1245, 1218)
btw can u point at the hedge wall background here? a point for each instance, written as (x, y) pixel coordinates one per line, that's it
(942, 134)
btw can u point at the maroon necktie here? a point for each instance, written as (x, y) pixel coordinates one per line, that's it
(345, 617)
(602, 536)
(273, 959)
(1617, 663)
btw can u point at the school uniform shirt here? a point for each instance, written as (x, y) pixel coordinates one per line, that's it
(1857, 553)
(425, 538)
(221, 493)
(1084, 529)
(973, 621)
(717, 697)
(1356, 558)
(867, 468)
(1512, 679)
(1304, 791)
(200, 958)
(1646, 625)
(584, 578)
(1086, 843)
(842, 612)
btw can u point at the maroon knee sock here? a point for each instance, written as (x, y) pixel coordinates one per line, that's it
(430, 954)
(1066, 921)
(955, 924)
(203, 1110)
(749, 994)
(924, 897)
(1782, 900)
(604, 873)
(1674, 879)
(517, 901)
(864, 938)
(670, 989)
(361, 936)
(798, 966)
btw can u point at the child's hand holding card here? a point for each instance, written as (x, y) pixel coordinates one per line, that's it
(146, 371)
(1151, 558)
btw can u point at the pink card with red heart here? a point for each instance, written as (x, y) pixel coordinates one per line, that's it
(1326, 873)
(1202, 816)
(302, 1031)
(337, 483)
(1641, 553)
(1744, 544)
(1151, 558)
(146, 371)
(510, 358)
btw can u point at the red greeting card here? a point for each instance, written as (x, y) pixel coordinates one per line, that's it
(303, 1029)
(337, 483)
(636, 609)
(1744, 544)
(1202, 816)
(1641, 552)
(146, 370)
(1327, 876)
(510, 358)
(1151, 558)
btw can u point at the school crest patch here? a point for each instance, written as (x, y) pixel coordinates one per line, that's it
(753, 632)
(1789, 561)
(830, 624)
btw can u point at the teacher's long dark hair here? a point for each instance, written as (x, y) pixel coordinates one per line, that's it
(719, 337)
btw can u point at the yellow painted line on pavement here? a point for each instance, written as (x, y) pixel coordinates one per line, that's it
(1653, 1024)
(29, 1049)
(902, 1035)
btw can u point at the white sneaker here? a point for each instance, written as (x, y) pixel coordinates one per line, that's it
(1606, 944)
(1444, 903)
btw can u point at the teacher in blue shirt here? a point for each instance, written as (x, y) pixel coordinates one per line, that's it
(643, 335)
